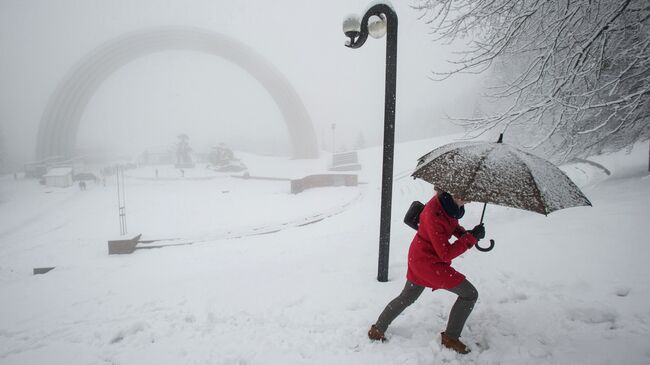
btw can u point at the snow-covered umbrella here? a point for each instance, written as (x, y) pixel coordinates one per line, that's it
(499, 174)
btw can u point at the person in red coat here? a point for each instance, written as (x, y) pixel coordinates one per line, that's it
(429, 266)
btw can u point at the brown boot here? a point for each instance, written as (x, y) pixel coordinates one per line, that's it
(376, 334)
(454, 344)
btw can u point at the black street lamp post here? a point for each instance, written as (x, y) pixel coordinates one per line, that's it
(381, 19)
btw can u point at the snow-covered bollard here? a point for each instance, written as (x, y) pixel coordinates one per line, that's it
(623, 291)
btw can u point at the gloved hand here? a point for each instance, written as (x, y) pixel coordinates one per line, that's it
(478, 232)
(470, 244)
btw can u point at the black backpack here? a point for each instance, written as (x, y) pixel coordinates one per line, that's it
(412, 217)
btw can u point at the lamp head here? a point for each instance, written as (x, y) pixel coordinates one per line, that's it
(377, 26)
(351, 27)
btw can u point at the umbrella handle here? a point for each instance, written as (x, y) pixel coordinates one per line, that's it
(485, 249)
(491, 246)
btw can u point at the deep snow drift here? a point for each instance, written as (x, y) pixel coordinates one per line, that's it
(570, 288)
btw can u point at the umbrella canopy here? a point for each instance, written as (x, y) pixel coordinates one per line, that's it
(499, 174)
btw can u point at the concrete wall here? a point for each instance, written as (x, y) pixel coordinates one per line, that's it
(315, 181)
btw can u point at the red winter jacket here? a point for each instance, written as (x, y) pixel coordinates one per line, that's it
(431, 253)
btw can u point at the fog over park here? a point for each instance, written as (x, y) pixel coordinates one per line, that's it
(215, 182)
(148, 101)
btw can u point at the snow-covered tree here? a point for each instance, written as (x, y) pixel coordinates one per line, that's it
(574, 75)
(220, 155)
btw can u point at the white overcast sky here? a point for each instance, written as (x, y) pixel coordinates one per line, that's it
(155, 97)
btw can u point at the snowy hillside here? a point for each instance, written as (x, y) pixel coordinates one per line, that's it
(570, 288)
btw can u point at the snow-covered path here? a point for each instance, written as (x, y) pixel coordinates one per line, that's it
(570, 288)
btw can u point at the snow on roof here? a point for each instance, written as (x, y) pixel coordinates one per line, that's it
(58, 171)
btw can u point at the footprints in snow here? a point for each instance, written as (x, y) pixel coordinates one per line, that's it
(131, 331)
(514, 297)
(593, 316)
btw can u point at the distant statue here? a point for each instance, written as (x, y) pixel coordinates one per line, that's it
(183, 152)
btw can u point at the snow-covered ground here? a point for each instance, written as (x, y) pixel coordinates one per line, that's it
(570, 288)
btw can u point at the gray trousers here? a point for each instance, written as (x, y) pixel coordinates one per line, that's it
(467, 296)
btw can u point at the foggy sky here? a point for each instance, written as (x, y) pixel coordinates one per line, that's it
(152, 99)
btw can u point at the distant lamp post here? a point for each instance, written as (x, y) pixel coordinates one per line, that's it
(380, 19)
(333, 138)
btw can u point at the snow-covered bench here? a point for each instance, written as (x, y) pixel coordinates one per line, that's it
(346, 161)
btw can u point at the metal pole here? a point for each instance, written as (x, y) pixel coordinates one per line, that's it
(389, 126)
(389, 147)
(333, 138)
(121, 200)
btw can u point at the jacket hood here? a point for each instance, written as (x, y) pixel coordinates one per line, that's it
(449, 206)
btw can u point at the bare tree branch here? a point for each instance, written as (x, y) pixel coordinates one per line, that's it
(575, 73)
